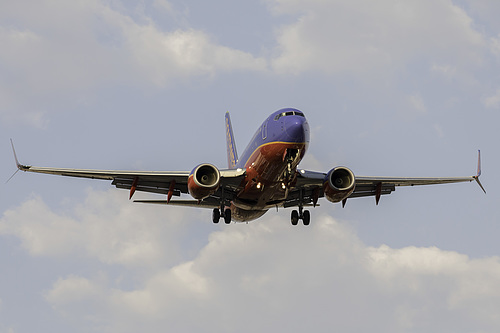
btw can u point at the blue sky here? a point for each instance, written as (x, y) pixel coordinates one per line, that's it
(389, 88)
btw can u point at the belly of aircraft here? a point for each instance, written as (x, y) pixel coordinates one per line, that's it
(265, 180)
(243, 215)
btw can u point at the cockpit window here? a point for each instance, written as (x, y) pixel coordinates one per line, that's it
(289, 113)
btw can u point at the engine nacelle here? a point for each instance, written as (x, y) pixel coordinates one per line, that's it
(339, 184)
(203, 181)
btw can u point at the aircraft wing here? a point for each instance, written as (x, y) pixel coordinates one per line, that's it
(377, 186)
(146, 181)
(309, 185)
(160, 182)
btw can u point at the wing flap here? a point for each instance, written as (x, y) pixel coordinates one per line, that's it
(160, 186)
(184, 203)
(371, 190)
(157, 190)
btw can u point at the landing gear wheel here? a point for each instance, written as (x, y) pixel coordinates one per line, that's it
(294, 217)
(227, 216)
(216, 215)
(306, 218)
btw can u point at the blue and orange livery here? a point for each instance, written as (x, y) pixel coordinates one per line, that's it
(265, 176)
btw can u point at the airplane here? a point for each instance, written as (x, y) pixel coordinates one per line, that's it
(266, 176)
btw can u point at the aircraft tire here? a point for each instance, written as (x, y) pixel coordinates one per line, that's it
(227, 216)
(306, 219)
(216, 215)
(294, 217)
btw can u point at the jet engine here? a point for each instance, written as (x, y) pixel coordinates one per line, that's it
(203, 181)
(339, 184)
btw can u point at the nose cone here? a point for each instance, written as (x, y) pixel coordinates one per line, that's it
(297, 129)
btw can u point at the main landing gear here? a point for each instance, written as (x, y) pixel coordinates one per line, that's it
(216, 215)
(305, 216)
(225, 213)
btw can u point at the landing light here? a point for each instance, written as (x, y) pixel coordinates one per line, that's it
(302, 171)
(283, 186)
(259, 185)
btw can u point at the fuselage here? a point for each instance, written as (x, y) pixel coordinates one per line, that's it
(270, 161)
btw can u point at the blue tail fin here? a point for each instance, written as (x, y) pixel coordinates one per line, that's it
(232, 155)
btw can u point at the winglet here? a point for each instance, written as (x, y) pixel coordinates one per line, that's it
(18, 165)
(232, 155)
(478, 163)
(476, 178)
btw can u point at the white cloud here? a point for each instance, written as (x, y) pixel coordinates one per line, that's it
(163, 57)
(417, 103)
(495, 45)
(163, 5)
(106, 227)
(439, 130)
(78, 299)
(493, 101)
(4, 329)
(69, 49)
(261, 276)
(447, 71)
(266, 270)
(360, 36)
(72, 289)
(100, 42)
(484, 12)
(41, 231)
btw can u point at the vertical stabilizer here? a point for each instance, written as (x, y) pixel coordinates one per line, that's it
(232, 155)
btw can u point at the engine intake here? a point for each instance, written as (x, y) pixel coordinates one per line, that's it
(203, 181)
(339, 184)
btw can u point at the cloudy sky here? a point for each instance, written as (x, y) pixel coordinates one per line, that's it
(390, 88)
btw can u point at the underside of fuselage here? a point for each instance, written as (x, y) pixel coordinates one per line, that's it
(243, 215)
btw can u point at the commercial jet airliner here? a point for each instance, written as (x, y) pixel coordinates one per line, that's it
(266, 176)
